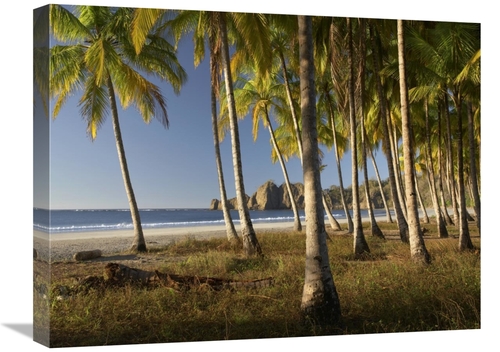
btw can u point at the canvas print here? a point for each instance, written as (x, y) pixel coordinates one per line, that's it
(209, 176)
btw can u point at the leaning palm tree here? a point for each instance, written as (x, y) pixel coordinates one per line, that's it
(360, 244)
(101, 59)
(417, 246)
(251, 244)
(260, 96)
(203, 27)
(320, 301)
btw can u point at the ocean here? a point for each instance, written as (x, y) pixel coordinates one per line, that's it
(86, 220)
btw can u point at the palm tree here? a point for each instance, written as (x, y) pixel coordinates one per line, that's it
(417, 246)
(360, 244)
(375, 229)
(386, 145)
(320, 301)
(339, 79)
(102, 60)
(203, 26)
(250, 243)
(260, 95)
(230, 229)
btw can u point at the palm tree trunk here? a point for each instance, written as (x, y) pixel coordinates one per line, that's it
(464, 241)
(384, 200)
(473, 170)
(228, 221)
(139, 243)
(417, 246)
(386, 146)
(297, 225)
(350, 225)
(360, 244)
(320, 301)
(396, 165)
(334, 224)
(446, 216)
(290, 104)
(441, 226)
(451, 171)
(421, 201)
(375, 230)
(251, 245)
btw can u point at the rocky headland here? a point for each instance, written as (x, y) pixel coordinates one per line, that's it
(268, 196)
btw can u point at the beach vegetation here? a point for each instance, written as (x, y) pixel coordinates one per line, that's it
(382, 293)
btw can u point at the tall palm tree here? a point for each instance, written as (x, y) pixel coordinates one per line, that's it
(386, 145)
(251, 244)
(339, 77)
(375, 229)
(101, 58)
(417, 246)
(360, 244)
(320, 301)
(203, 26)
(213, 47)
(261, 95)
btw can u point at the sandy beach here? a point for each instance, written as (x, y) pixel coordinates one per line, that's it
(64, 245)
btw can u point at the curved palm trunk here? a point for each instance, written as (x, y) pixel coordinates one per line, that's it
(384, 200)
(290, 104)
(444, 209)
(297, 225)
(417, 246)
(397, 166)
(472, 165)
(334, 224)
(228, 221)
(440, 224)
(139, 243)
(360, 244)
(464, 241)
(421, 202)
(350, 225)
(251, 245)
(451, 171)
(375, 230)
(320, 301)
(386, 146)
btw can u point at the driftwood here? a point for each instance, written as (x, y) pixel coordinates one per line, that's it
(116, 275)
(86, 255)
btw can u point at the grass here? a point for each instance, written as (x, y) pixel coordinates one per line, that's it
(384, 292)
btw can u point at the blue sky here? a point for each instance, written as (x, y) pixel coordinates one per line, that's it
(169, 168)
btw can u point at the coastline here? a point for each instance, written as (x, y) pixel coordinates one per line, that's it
(62, 246)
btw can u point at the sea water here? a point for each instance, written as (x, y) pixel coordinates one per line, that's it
(85, 220)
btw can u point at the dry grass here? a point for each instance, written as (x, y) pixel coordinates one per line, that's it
(385, 292)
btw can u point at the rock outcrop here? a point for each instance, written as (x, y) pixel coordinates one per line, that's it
(216, 204)
(268, 197)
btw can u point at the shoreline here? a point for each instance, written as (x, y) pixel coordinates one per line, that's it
(62, 246)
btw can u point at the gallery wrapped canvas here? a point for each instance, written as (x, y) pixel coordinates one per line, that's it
(181, 191)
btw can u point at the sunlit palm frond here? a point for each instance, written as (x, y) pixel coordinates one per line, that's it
(94, 105)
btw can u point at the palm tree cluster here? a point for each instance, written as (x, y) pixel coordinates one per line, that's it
(317, 84)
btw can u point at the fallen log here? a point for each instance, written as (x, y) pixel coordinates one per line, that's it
(118, 274)
(86, 255)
